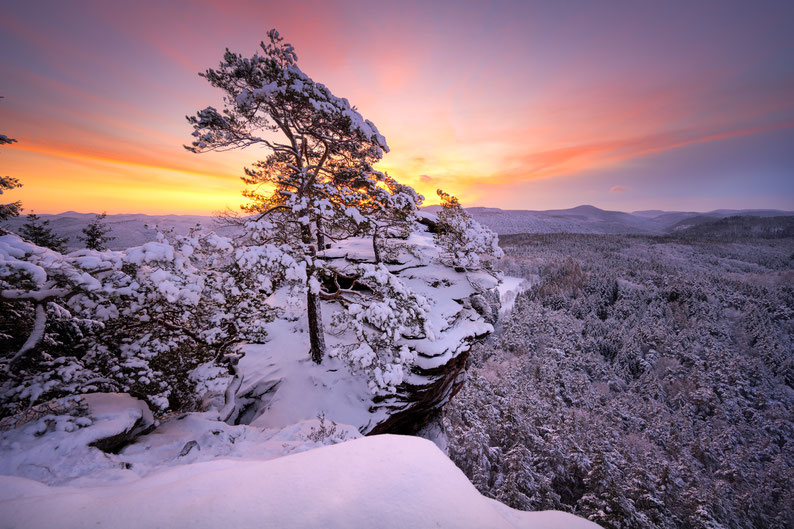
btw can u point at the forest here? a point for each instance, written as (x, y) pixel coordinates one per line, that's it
(640, 382)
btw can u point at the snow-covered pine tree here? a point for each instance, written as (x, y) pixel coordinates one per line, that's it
(39, 233)
(318, 182)
(95, 235)
(138, 321)
(463, 240)
(8, 182)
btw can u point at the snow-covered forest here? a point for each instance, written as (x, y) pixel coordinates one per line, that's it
(638, 382)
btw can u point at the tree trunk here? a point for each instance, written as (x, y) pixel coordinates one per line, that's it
(35, 335)
(313, 309)
(320, 235)
(316, 333)
(375, 248)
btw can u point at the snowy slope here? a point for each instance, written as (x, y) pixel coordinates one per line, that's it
(508, 289)
(381, 481)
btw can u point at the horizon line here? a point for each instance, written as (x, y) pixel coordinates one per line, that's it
(216, 214)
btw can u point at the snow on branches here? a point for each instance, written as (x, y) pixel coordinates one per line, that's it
(317, 183)
(136, 321)
(380, 311)
(270, 92)
(465, 243)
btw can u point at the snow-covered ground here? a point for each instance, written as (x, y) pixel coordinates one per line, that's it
(508, 289)
(381, 481)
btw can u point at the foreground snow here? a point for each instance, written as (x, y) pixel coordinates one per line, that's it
(64, 449)
(384, 481)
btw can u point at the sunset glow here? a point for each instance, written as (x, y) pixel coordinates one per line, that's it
(517, 105)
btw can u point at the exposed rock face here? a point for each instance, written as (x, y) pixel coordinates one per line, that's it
(128, 418)
(415, 404)
(469, 303)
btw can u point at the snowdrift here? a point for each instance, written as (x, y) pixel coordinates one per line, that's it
(384, 481)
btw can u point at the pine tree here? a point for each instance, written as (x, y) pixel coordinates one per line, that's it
(39, 232)
(95, 235)
(318, 182)
(137, 321)
(462, 239)
(7, 182)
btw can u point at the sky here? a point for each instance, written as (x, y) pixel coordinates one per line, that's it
(517, 105)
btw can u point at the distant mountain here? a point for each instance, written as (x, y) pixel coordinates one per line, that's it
(590, 219)
(136, 229)
(582, 219)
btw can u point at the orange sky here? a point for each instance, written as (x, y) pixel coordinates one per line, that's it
(518, 105)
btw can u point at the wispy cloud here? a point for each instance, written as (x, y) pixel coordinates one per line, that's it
(586, 156)
(480, 101)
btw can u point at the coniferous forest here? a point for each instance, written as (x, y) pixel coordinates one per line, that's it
(638, 382)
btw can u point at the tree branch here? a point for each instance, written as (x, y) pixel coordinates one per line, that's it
(35, 337)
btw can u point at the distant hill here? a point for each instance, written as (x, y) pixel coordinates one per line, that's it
(128, 229)
(741, 227)
(581, 219)
(136, 229)
(590, 219)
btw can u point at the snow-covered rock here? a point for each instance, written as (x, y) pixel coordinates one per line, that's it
(385, 481)
(63, 440)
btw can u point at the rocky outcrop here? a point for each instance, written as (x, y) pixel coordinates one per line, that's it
(468, 303)
(416, 404)
(282, 386)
